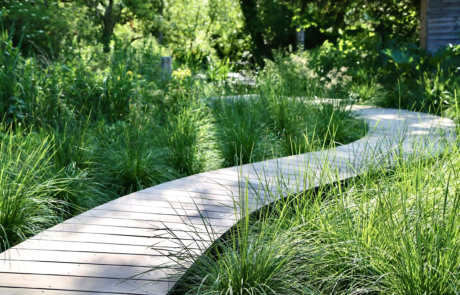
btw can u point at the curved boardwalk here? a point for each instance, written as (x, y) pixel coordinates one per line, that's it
(96, 251)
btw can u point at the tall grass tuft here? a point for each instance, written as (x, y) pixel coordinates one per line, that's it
(334, 123)
(287, 117)
(181, 139)
(128, 158)
(238, 129)
(26, 201)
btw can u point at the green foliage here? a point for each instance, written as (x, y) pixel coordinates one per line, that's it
(435, 88)
(73, 158)
(11, 103)
(198, 28)
(102, 121)
(332, 20)
(99, 126)
(48, 92)
(41, 26)
(288, 91)
(269, 24)
(245, 264)
(399, 76)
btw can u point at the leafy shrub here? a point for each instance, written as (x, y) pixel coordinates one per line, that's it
(12, 102)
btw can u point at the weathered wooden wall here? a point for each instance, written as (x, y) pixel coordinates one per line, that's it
(442, 23)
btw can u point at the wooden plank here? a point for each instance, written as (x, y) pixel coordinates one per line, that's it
(65, 246)
(211, 191)
(130, 223)
(450, 36)
(442, 21)
(440, 14)
(83, 270)
(219, 179)
(447, 30)
(187, 233)
(214, 189)
(69, 283)
(198, 182)
(181, 197)
(159, 206)
(445, 7)
(28, 291)
(109, 239)
(199, 198)
(176, 210)
(99, 258)
(194, 217)
(433, 27)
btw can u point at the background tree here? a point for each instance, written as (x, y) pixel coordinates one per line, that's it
(40, 26)
(269, 23)
(109, 13)
(326, 19)
(194, 29)
(391, 19)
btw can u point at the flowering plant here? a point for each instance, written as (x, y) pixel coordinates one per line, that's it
(180, 74)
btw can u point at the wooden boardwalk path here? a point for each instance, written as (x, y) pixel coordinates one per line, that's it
(96, 251)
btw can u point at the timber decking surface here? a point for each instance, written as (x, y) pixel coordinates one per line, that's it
(98, 251)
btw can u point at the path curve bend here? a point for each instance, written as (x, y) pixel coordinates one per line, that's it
(94, 252)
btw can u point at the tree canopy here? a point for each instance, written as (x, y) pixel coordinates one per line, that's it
(201, 28)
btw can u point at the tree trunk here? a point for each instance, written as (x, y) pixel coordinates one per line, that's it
(108, 24)
(380, 29)
(249, 8)
(160, 12)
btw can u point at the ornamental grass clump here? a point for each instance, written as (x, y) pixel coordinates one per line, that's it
(182, 138)
(129, 159)
(26, 197)
(239, 130)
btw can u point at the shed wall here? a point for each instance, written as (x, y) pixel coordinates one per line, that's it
(443, 23)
